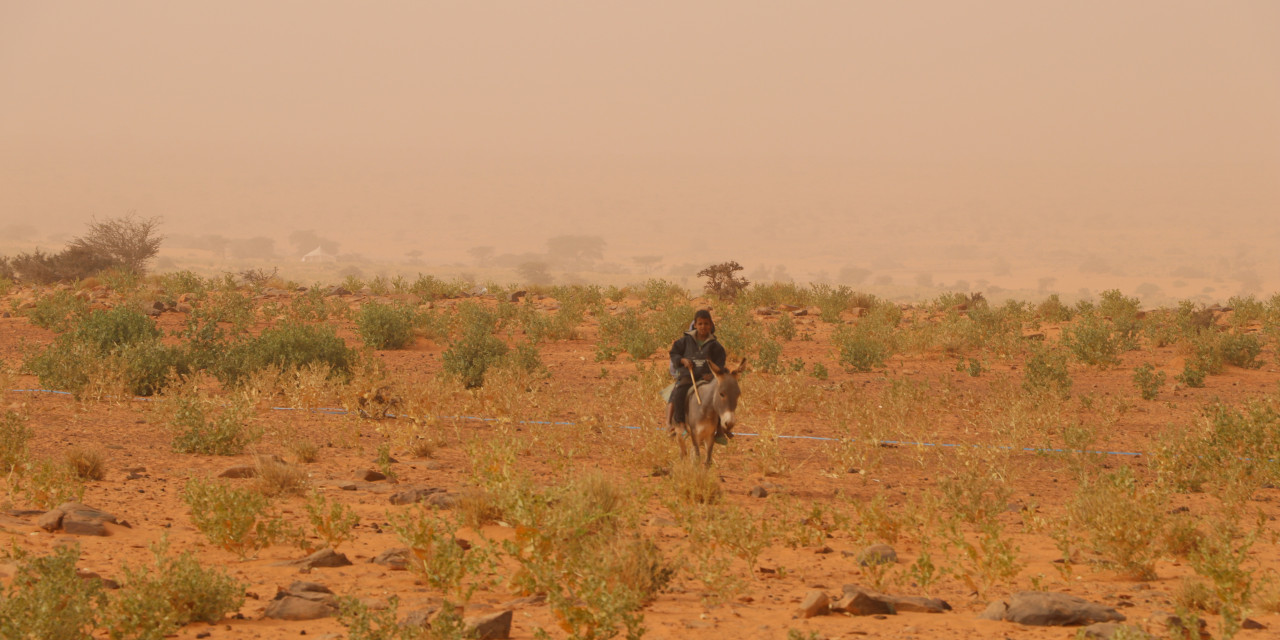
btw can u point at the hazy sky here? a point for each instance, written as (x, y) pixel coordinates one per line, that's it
(813, 134)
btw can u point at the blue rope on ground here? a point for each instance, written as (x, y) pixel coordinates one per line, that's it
(900, 443)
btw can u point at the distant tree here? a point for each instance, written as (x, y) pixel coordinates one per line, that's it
(481, 255)
(128, 242)
(413, 255)
(260, 247)
(305, 241)
(576, 250)
(647, 262)
(853, 275)
(534, 272)
(721, 281)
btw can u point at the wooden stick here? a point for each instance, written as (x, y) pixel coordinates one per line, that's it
(695, 386)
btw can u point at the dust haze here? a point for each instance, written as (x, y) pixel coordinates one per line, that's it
(928, 145)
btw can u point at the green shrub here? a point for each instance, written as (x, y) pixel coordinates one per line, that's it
(58, 311)
(13, 442)
(469, 358)
(177, 283)
(202, 425)
(237, 520)
(863, 347)
(1148, 380)
(47, 599)
(364, 623)
(431, 287)
(1052, 310)
(1241, 350)
(50, 484)
(333, 521)
(385, 326)
(784, 329)
(1047, 369)
(1191, 375)
(819, 371)
(121, 342)
(290, 346)
(1122, 521)
(1092, 342)
(173, 591)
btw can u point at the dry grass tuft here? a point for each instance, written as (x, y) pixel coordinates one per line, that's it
(276, 477)
(88, 464)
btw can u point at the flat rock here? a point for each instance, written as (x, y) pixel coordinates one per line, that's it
(323, 558)
(815, 604)
(239, 471)
(411, 496)
(369, 475)
(77, 519)
(419, 618)
(301, 607)
(863, 602)
(302, 586)
(492, 626)
(395, 559)
(1047, 609)
(1108, 630)
(877, 554)
(444, 500)
(758, 492)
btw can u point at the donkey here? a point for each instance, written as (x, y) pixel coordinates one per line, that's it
(712, 411)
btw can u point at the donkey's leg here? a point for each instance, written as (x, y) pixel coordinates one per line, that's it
(710, 444)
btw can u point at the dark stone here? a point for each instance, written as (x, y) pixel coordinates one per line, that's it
(321, 559)
(877, 554)
(863, 602)
(493, 626)
(369, 475)
(395, 559)
(1045, 609)
(758, 492)
(815, 604)
(239, 471)
(412, 496)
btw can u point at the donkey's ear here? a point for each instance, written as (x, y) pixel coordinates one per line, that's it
(741, 367)
(715, 368)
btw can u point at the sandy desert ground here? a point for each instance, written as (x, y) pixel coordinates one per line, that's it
(959, 449)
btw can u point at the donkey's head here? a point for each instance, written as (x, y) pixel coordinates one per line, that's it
(725, 401)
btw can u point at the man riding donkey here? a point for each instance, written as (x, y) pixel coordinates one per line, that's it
(697, 355)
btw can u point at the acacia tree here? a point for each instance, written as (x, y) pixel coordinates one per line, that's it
(721, 281)
(128, 242)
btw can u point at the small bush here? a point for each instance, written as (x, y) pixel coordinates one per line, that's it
(1047, 369)
(276, 478)
(237, 520)
(290, 346)
(1148, 380)
(862, 348)
(471, 357)
(88, 464)
(173, 591)
(333, 521)
(385, 326)
(200, 425)
(1053, 310)
(784, 329)
(1092, 342)
(13, 442)
(51, 484)
(721, 281)
(47, 599)
(58, 311)
(1241, 350)
(1122, 521)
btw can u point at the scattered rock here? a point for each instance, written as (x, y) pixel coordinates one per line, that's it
(758, 492)
(77, 519)
(369, 475)
(1108, 630)
(1046, 609)
(815, 604)
(516, 295)
(411, 496)
(445, 500)
(863, 602)
(419, 618)
(764, 311)
(348, 486)
(493, 626)
(1177, 627)
(338, 291)
(877, 554)
(323, 558)
(299, 586)
(800, 313)
(301, 605)
(1251, 624)
(395, 559)
(239, 471)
